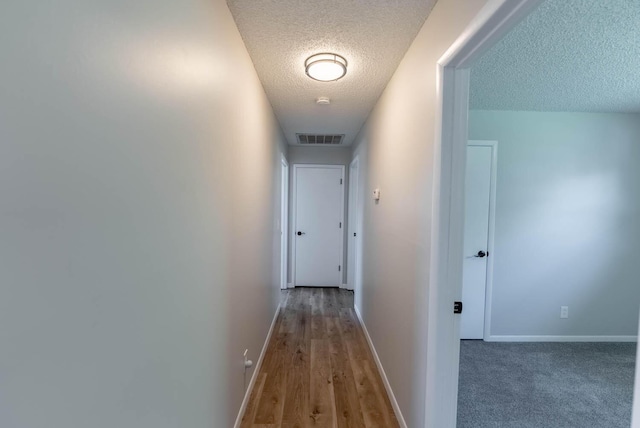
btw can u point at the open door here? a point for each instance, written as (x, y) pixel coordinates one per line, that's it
(478, 237)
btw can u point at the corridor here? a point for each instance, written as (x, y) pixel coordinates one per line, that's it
(318, 370)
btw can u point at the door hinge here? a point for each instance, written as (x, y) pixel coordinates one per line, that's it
(341, 181)
(457, 307)
(339, 268)
(340, 226)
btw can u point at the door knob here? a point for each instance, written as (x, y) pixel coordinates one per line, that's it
(301, 233)
(481, 254)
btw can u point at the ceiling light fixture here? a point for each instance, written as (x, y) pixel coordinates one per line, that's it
(325, 67)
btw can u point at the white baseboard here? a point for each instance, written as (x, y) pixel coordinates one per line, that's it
(497, 338)
(256, 370)
(290, 285)
(345, 287)
(385, 380)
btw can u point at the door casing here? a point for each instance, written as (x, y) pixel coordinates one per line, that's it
(353, 242)
(284, 222)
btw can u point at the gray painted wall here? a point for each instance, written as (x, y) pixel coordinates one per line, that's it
(320, 156)
(567, 221)
(139, 179)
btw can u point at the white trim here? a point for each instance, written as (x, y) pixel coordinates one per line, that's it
(256, 370)
(635, 410)
(284, 222)
(443, 346)
(493, 21)
(488, 298)
(295, 218)
(499, 338)
(344, 286)
(353, 272)
(385, 380)
(290, 285)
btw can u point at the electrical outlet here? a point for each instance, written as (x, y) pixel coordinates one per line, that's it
(247, 362)
(564, 311)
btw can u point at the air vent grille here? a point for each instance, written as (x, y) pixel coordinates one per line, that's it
(320, 139)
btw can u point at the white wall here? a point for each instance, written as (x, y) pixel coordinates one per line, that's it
(395, 149)
(138, 180)
(567, 222)
(320, 156)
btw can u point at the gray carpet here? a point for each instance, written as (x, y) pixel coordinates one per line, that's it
(550, 385)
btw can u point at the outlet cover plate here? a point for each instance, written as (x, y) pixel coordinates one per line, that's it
(564, 312)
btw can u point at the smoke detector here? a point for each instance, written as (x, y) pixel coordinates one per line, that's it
(323, 101)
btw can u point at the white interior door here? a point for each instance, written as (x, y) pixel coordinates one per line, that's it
(318, 234)
(476, 239)
(352, 238)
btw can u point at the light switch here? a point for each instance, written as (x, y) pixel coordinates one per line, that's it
(376, 195)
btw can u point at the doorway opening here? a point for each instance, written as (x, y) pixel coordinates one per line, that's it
(353, 235)
(448, 249)
(284, 222)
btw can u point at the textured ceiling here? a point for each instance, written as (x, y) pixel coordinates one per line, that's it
(373, 35)
(568, 55)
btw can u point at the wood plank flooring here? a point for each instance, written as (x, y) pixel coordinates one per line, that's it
(318, 370)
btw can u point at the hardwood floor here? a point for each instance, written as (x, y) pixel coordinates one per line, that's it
(318, 370)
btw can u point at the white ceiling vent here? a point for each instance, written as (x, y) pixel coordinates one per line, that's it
(328, 140)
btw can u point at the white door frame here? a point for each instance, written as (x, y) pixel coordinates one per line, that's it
(353, 266)
(495, 19)
(490, 233)
(284, 222)
(295, 220)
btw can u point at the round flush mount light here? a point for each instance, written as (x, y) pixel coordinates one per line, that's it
(325, 67)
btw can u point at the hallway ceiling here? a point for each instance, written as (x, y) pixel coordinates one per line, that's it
(373, 35)
(568, 55)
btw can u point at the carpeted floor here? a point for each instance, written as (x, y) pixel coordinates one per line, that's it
(550, 385)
